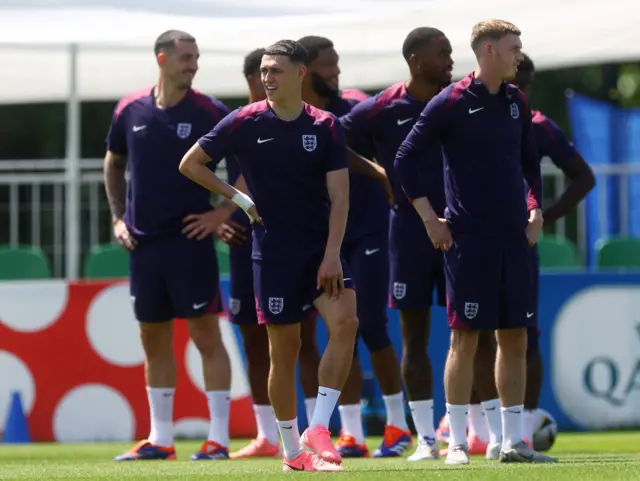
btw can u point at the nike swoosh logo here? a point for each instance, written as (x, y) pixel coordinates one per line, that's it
(490, 409)
(322, 393)
(473, 111)
(287, 427)
(137, 128)
(404, 121)
(529, 314)
(294, 468)
(198, 306)
(369, 252)
(262, 141)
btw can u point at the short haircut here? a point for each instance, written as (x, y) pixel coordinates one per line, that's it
(493, 30)
(167, 41)
(314, 44)
(417, 38)
(288, 48)
(525, 74)
(252, 62)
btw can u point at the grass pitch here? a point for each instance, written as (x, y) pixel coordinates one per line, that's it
(592, 456)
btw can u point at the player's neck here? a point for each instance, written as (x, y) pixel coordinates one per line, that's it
(167, 95)
(491, 81)
(420, 90)
(312, 98)
(287, 111)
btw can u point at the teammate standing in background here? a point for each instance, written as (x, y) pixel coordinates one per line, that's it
(416, 267)
(365, 249)
(484, 127)
(243, 313)
(172, 274)
(294, 160)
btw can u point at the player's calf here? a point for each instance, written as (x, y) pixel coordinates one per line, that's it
(205, 333)
(510, 381)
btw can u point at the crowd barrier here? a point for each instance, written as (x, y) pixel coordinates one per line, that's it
(72, 350)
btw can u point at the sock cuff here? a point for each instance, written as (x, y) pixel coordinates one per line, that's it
(519, 407)
(161, 389)
(491, 403)
(390, 397)
(422, 402)
(350, 407)
(328, 390)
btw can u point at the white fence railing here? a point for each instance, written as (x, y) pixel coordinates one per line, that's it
(33, 204)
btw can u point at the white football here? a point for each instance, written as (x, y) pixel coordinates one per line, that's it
(545, 431)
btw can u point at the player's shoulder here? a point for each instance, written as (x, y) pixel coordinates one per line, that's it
(321, 118)
(539, 118)
(355, 95)
(455, 93)
(214, 107)
(248, 113)
(142, 96)
(546, 126)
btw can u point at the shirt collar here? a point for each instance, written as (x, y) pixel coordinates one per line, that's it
(478, 88)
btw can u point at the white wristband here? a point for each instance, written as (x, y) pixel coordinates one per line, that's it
(244, 202)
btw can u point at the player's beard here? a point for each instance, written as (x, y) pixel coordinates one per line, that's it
(320, 87)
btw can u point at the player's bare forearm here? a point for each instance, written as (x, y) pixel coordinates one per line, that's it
(362, 166)
(424, 209)
(582, 180)
(193, 166)
(240, 186)
(338, 187)
(115, 183)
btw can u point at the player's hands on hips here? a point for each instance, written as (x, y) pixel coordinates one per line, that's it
(439, 233)
(534, 228)
(200, 226)
(123, 236)
(330, 275)
(231, 233)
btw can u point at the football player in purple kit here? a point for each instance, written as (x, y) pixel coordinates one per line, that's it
(294, 160)
(242, 308)
(484, 127)
(171, 274)
(416, 267)
(365, 249)
(551, 142)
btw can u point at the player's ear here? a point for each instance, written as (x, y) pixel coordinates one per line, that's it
(413, 62)
(302, 72)
(162, 58)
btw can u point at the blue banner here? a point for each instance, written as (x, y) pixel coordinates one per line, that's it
(590, 344)
(608, 135)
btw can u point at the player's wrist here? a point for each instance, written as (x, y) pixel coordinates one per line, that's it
(242, 200)
(535, 214)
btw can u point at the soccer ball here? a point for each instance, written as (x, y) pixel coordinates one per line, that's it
(545, 430)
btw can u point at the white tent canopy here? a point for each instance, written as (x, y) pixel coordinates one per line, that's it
(114, 38)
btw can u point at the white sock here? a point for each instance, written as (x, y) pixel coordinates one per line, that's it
(325, 404)
(529, 423)
(309, 407)
(219, 406)
(512, 426)
(422, 413)
(494, 420)
(161, 410)
(394, 405)
(477, 423)
(290, 438)
(351, 420)
(266, 421)
(457, 423)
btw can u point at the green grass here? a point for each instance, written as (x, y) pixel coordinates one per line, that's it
(594, 456)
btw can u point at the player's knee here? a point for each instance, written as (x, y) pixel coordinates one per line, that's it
(205, 334)
(374, 337)
(157, 339)
(463, 343)
(284, 345)
(512, 343)
(256, 344)
(344, 327)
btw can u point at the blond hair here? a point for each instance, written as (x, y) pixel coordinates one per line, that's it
(493, 29)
